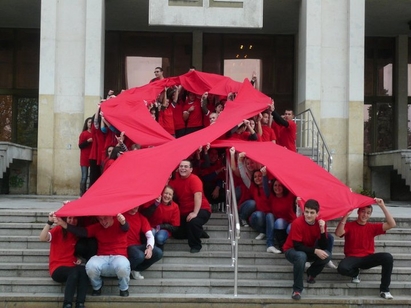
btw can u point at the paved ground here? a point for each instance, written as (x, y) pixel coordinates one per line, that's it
(52, 203)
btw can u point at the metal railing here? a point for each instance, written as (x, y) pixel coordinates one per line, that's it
(233, 220)
(310, 141)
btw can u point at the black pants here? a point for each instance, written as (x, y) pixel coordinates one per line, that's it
(95, 171)
(193, 229)
(350, 267)
(75, 278)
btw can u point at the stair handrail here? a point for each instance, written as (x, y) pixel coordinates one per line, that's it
(309, 136)
(233, 220)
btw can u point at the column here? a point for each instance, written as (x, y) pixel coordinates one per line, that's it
(71, 83)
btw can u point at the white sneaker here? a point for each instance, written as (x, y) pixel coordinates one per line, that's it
(136, 275)
(386, 295)
(307, 265)
(356, 279)
(273, 250)
(260, 236)
(330, 264)
(244, 223)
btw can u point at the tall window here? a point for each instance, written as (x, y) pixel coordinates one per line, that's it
(379, 101)
(19, 79)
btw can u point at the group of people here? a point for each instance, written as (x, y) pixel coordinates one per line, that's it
(264, 203)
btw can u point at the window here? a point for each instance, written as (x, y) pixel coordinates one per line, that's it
(379, 134)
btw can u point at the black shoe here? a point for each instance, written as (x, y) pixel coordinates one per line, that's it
(124, 293)
(80, 305)
(310, 279)
(97, 292)
(194, 250)
(204, 235)
(67, 306)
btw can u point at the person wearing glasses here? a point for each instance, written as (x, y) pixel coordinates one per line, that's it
(158, 72)
(195, 210)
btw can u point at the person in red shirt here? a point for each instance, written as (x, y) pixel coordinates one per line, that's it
(141, 255)
(64, 266)
(158, 73)
(163, 216)
(84, 143)
(111, 259)
(195, 210)
(359, 247)
(268, 133)
(286, 128)
(193, 113)
(307, 241)
(282, 213)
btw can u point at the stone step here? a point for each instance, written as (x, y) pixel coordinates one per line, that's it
(199, 271)
(209, 286)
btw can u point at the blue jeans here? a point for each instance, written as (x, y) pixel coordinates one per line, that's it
(258, 221)
(138, 261)
(273, 224)
(298, 259)
(246, 209)
(84, 174)
(108, 266)
(160, 236)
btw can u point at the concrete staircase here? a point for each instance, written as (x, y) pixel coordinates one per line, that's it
(205, 279)
(400, 160)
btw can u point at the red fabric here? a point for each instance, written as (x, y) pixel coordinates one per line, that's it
(185, 189)
(302, 232)
(111, 240)
(359, 239)
(128, 112)
(61, 249)
(138, 224)
(85, 152)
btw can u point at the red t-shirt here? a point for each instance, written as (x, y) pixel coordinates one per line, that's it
(111, 240)
(166, 214)
(268, 133)
(288, 135)
(61, 249)
(283, 207)
(261, 200)
(178, 116)
(302, 232)
(166, 119)
(138, 224)
(195, 119)
(184, 189)
(359, 239)
(97, 147)
(85, 152)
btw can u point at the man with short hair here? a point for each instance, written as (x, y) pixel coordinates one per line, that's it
(359, 246)
(268, 133)
(307, 241)
(286, 129)
(158, 72)
(195, 210)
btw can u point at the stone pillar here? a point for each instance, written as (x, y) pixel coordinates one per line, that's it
(401, 92)
(71, 83)
(331, 78)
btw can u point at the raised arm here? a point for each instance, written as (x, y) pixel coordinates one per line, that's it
(340, 230)
(389, 220)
